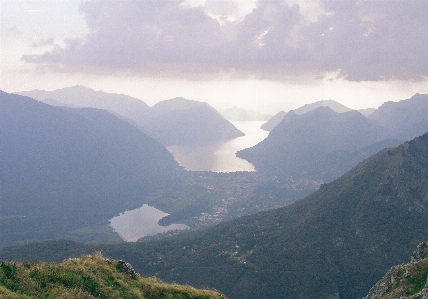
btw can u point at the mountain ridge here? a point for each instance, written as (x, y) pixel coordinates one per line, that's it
(299, 144)
(183, 117)
(58, 161)
(277, 118)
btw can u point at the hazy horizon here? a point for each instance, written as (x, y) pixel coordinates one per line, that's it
(264, 56)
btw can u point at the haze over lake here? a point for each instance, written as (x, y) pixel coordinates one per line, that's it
(221, 157)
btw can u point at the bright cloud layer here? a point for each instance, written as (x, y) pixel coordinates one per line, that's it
(367, 40)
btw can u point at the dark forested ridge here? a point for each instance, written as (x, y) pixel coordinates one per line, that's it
(335, 243)
(62, 169)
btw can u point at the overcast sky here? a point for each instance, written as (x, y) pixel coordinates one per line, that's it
(265, 55)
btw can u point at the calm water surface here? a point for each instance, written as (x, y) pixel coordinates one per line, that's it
(141, 222)
(138, 223)
(221, 158)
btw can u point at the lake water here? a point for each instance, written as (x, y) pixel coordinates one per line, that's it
(141, 222)
(221, 158)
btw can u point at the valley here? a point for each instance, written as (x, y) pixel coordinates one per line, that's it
(330, 190)
(221, 157)
(211, 149)
(338, 241)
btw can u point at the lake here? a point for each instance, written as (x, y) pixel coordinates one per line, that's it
(221, 157)
(141, 222)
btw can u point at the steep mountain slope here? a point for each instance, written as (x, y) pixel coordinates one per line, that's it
(405, 119)
(405, 281)
(87, 277)
(69, 168)
(335, 106)
(274, 121)
(335, 243)
(184, 122)
(367, 111)
(304, 145)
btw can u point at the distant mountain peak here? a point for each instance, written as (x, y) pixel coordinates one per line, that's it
(178, 103)
(78, 87)
(335, 106)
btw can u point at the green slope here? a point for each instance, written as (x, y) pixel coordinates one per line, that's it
(405, 281)
(87, 277)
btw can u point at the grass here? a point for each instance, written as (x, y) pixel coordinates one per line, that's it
(406, 281)
(88, 277)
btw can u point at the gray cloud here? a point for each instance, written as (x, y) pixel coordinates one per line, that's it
(360, 40)
(43, 42)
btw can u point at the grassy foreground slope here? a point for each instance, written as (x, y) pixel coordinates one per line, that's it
(87, 277)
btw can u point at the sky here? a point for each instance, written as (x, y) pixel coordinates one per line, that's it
(267, 55)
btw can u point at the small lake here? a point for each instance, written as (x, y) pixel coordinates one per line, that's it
(141, 222)
(221, 157)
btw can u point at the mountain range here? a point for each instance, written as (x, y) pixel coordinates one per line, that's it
(177, 121)
(335, 243)
(65, 168)
(405, 119)
(321, 144)
(277, 118)
(324, 144)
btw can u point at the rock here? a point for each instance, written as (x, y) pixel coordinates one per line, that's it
(123, 266)
(425, 291)
(420, 253)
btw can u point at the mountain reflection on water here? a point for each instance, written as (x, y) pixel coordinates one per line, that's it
(221, 157)
(141, 222)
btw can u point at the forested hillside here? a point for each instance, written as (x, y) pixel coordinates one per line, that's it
(63, 169)
(335, 243)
